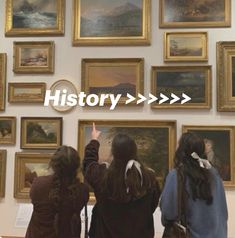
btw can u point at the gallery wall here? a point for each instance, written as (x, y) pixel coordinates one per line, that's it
(68, 66)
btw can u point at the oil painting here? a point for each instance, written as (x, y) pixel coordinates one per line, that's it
(3, 60)
(3, 158)
(7, 130)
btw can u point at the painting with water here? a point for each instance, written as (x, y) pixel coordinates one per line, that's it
(34, 17)
(111, 22)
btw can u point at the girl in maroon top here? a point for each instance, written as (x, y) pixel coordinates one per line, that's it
(58, 199)
(127, 193)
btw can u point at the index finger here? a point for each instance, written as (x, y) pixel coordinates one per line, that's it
(94, 126)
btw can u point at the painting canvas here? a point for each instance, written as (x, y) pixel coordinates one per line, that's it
(194, 81)
(29, 166)
(185, 46)
(34, 17)
(195, 13)
(113, 76)
(41, 133)
(2, 172)
(221, 155)
(2, 80)
(7, 130)
(111, 22)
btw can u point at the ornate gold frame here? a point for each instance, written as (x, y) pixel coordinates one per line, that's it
(3, 162)
(3, 61)
(12, 139)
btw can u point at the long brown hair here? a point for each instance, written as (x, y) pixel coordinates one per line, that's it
(115, 184)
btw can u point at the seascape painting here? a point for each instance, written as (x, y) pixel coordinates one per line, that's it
(105, 18)
(34, 13)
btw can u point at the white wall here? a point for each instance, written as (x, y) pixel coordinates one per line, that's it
(68, 66)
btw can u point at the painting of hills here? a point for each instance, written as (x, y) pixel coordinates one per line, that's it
(105, 18)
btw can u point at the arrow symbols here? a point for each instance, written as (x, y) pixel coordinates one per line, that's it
(186, 98)
(175, 98)
(130, 98)
(152, 98)
(164, 98)
(142, 98)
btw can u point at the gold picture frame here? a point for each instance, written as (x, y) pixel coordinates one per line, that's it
(220, 144)
(196, 13)
(3, 61)
(7, 130)
(226, 76)
(36, 18)
(103, 76)
(26, 92)
(171, 79)
(161, 133)
(185, 46)
(3, 162)
(27, 167)
(128, 23)
(41, 132)
(33, 57)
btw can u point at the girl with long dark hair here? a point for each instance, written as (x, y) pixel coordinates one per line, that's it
(127, 193)
(58, 198)
(204, 203)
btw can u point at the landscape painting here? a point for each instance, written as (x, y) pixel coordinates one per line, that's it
(155, 141)
(41, 133)
(34, 17)
(113, 76)
(195, 13)
(29, 166)
(185, 46)
(111, 22)
(194, 81)
(7, 130)
(2, 172)
(221, 155)
(3, 60)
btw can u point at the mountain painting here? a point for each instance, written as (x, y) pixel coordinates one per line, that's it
(35, 14)
(105, 18)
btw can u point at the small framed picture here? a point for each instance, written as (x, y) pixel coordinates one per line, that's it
(194, 81)
(34, 17)
(113, 76)
(2, 172)
(26, 92)
(219, 148)
(185, 46)
(34, 57)
(3, 61)
(29, 166)
(7, 130)
(41, 132)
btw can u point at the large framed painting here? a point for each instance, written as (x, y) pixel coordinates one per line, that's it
(7, 130)
(195, 13)
(125, 22)
(34, 17)
(26, 92)
(34, 57)
(2, 172)
(29, 166)
(194, 81)
(3, 61)
(41, 132)
(219, 147)
(113, 76)
(156, 141)
(185, 46)
(226, 76)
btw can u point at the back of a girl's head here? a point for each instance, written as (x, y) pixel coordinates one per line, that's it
(124, 148)
(65, 161)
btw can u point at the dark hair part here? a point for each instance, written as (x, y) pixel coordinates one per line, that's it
(115, 184)
(199, 178)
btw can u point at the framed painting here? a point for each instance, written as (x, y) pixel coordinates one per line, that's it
(113, 76)
(26, 92)
(219, 147)
(7, 130)
(3, 61)
(194, 13)
(185, 46)
(3, 158)
(34, 17)
(29, 166)
(156, 141)
(33, 57)
(194, 81)
(41, 132)
(125, 22)
(226, 76)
